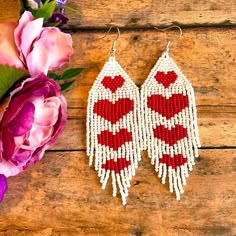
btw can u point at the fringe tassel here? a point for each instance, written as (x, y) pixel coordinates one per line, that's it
(113, 127)
(170, 123)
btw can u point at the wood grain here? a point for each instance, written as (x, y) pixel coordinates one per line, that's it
(62, 196)
(215, 123)
(135, 13)
(9, 10)
(206, 57)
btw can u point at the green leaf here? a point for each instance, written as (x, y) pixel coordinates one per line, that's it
(34, 12)
(46, 10)
(54, 76)
(23, 7)
(71, 73)
(66, 86)
(8, 76)
(69, 9)
(46, 2)
(55, 24)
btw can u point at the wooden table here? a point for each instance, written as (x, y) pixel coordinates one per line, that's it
(62, 195)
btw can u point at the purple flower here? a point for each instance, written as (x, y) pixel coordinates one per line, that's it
(61, 2)
(33, 120)
(35, 3)
(3, 186)
(58, 18)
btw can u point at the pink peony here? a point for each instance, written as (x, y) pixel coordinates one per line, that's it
(34, 118)
(8, 51)
(34, 47)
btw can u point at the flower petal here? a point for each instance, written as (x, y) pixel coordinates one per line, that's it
(38, 60)
(61, 122)
(9, 169)
(21, 157)
(24, 20)
(23, 121)
(3, 106)
(9, 54)
(46, 113)
(19, 152)
(33, 4)
(31, 31)
(3, 186)
(8, 144)
(39, 135)
(62, 49)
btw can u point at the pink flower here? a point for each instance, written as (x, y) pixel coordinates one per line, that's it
(37, 48)
(8, 51)
(33, 4)
(34, 118)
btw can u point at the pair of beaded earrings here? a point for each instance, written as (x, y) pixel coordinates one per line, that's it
(161, 118)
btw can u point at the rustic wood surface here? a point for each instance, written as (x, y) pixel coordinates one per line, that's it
(129, 13)
(62, 196)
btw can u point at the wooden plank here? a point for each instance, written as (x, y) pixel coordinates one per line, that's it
(9, 11)
(62, 196)
(135, 13)
(206, 56)
(217, 129)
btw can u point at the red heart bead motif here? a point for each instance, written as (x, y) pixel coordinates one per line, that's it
(174, 162)
(113, 83)
(166, 79)
(113, 111)
(114, 141)
(172, 136)
(168, 107)
(117, 166)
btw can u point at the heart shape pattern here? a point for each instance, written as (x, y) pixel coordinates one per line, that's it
(172, 136)
(174, 162)
(117, 166)
(113, 83)
(168, 107)
(113, 111)
(114, 141)
(166, 79)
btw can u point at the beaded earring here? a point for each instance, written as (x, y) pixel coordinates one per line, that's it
(113, 128)
(170, 121)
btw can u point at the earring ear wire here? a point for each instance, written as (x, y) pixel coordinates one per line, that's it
(167, 28)
(113, 125)
(169, 117)
(113, 49)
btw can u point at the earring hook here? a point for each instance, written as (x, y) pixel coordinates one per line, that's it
(113, 49)
(170, 27)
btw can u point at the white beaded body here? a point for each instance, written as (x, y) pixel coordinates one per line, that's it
(169, 121)
(113, 127)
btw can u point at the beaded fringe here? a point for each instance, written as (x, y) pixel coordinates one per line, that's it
(113, 127)
(169, 121)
